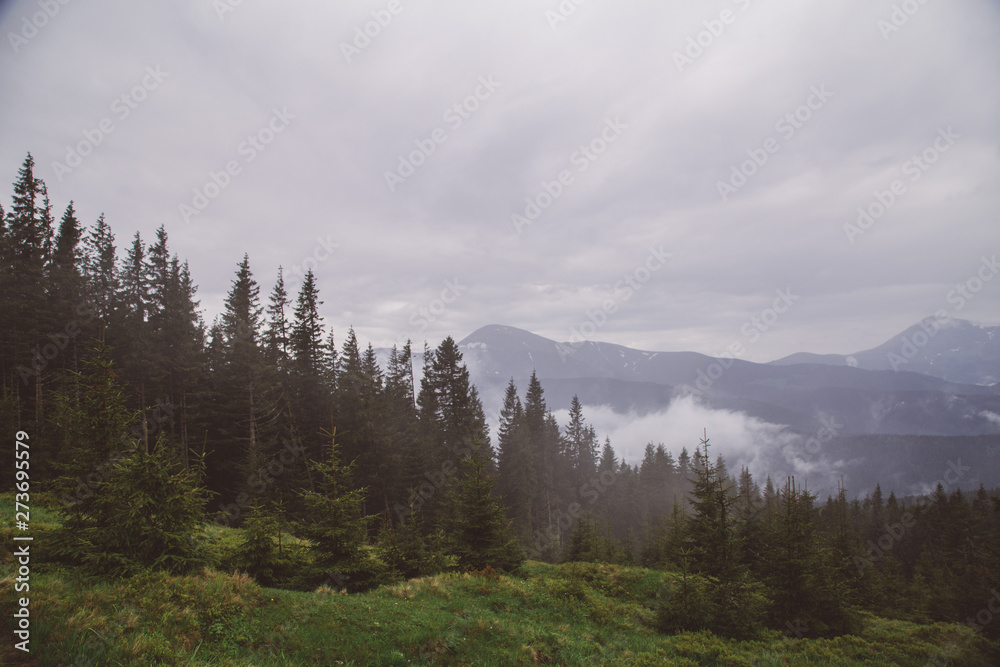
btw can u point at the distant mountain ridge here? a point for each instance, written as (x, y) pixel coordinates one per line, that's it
(867, 400)
(947, 348)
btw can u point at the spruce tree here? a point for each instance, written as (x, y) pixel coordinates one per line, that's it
(335, 524)
(481, 534)
(276, 337)
(800, 572)
(515, 462)
(24, 257)
(146, 510)
(311, 399)
(713, 524)
(306, 338)
(400, 427)
(739, 602)
(261, 553)
(579, 446)
(451, 421)
(239, 396)
(100, 271)
(132, 323)
(65, 279)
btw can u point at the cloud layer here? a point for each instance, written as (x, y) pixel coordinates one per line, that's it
(765, 449)
(805, 114)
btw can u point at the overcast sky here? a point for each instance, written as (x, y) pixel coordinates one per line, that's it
(833, 100)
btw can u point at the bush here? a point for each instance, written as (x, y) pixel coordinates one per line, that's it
(147, 515)
(687, 605)
(742, 608)
(258, 554)
(693, 603)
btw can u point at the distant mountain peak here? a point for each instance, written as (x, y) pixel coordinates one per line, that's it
(949, 348)
(492, 332)
(500, 334)
(868, 398)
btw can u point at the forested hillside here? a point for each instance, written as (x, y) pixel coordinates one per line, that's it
(151, 431)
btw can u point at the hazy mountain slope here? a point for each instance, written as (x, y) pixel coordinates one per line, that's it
(798, 395)
(951, 349)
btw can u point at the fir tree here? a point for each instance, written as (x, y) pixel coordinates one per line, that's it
(516, 465)
(276, 337)
(147, 511)
(481, 534)
(335, 524)
(261, 553)
(100, 271)
(739, 603)
(24, 257)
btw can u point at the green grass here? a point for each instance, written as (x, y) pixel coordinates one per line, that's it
(571, 614)
(41, 515)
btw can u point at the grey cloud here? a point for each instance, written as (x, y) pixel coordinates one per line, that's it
(656, 185)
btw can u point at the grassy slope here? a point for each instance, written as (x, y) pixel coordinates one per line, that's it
(577, 614)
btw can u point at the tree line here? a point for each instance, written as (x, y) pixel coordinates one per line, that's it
(149, 425)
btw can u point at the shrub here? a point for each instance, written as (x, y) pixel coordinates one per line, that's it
(693, 603)
(687, 605)
(147, 515)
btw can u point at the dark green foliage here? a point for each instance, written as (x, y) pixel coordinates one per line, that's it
(669, 542)
(589, 542)
(516, 463)
(692, 603)
(686, 604)
(147, 515)
(93, 418)
(727, 594)
(480, 532)
(336, 526)
(799, 569)
(262, 553)
(410, 553)
(277, 334)
(260, 393)
(713, 523)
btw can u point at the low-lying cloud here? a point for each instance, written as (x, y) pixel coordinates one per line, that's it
(763, 447)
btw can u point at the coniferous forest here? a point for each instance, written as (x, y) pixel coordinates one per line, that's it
(272, 443)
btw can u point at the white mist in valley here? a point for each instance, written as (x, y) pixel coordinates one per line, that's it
(765, 448)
